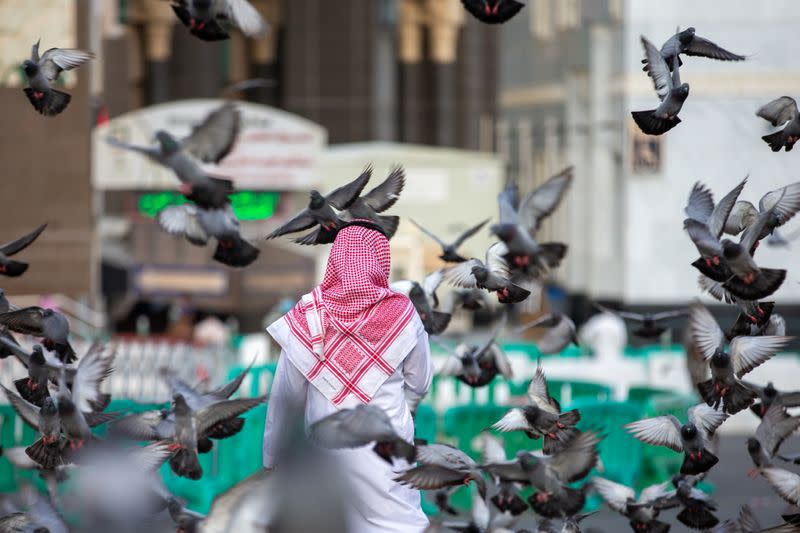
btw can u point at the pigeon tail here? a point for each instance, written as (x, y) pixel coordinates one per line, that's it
(226, 428)
(650, 124)
(552, 253)
(389, 223)
(31, 392)
(101, 403)
(438, 322)
(204, 445)
(737, 399)
(235, 253)
(654, 526)
(720, 273)
(399, 448)
(46, 455)
(776, 141)
(767, 282)
(498, 14)
(214, 195)
(185, 463)
(556, 507)
(49, 103)
(65, 352)
(515, 294)
(700, 463)
(697, 517)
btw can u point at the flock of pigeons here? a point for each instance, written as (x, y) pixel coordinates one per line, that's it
(60, 395)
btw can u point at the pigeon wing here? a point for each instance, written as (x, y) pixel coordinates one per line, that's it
(742, 215)
(784, 202)
(542, 201)
(721, 212)
(207, 417)
(460, 275)
(212, 140)
(657, 69)
(246, 18)
(344, 196)
(301, 221)
(27, 321)
(785, 483)
(705, 241)
(700, 204)
(388, 192)
(615, 495)
(182, 220)
(706, 418)
(659, 431)
(749, 352)
(779, 111)
(706, 333)
(55, 60)
(15, 246)
(469, 233)
(27, 411)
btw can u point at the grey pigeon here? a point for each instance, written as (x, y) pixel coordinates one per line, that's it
(493, 11)
(781, 204)
(697, 506)
(477, 365)
(9, 267)
(756, 314)
(320, 208)
(192, 426)
(209, 142)
(494, 275)
(551, 475)
(76, 423)
(470, 299)
(783, 482)
(48, 324)
(505, 498)
(450, 250)
(47, 450)
(542, 417)
(198, 225)
(670, 90)
(560, 333)
(442, 465)
(366, 208)
(43, 71)
(687, 42)
(775, 427)
(781, 112)
(649, 322)
(727, 368)
(703, 212)
(213, 20)
(352, 428)
(768, 395)
(642, 512)
(423, 296)
(519, 223)
(692, 438)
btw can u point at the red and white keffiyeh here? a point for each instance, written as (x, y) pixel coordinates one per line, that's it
(352, 332)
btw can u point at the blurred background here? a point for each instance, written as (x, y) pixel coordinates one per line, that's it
(463, 106)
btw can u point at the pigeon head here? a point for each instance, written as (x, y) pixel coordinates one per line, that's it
(481, 274)
(180, 405)
(505, 232)
(65, 406)
(30, 68)
(37, 355)
(681, 92)
(686, 36)
(470, 367)
(167, 142)
(770, 391)
(49, 407)
(317, 201)
(720, 359)
(730, 249)
(688, 431)
(753, 445)
(47, 313)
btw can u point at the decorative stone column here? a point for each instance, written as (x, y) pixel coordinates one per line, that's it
(158, 19)
(264, 51)
(444, 19)
(409, 49)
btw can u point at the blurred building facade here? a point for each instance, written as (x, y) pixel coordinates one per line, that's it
(570, 73)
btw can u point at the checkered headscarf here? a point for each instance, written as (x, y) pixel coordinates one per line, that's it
(352, 332)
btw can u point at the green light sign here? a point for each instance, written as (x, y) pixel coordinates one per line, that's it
(247, 205)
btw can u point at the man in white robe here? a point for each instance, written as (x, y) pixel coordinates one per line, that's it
(353, 340)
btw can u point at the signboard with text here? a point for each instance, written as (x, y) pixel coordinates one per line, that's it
(275, 150)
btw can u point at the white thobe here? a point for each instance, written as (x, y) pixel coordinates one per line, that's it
(379, 504)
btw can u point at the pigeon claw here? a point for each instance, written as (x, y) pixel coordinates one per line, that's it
(559, 425)
(38, 95)
(749, 278)
(185, 188)
(752, 473)
(715, 260)
(174, 447)
(553, 436)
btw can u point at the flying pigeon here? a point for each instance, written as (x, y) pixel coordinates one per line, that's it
(209, 142)
(320, 208)
(351, 428)
(643, 512)
(649, 322)
(423, 296)
(450, 251)
(43, 71)
(692, 438)
(213, 20)
(561, 332)
(48, 324)
(781, 112)
(782, 204)
(769, 395)
(493, 11)
(775, 427)
(743, 355)
(366, 208)
(441, 466)
(198, 225)
(494, 275)
(670, 90)
(542, 417)
(477, 366)
(697, 505)
(686, 42)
